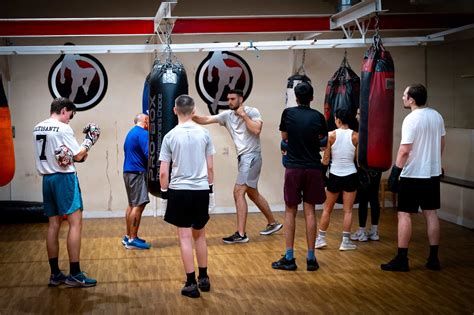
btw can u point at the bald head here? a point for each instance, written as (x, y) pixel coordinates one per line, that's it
(141, 120)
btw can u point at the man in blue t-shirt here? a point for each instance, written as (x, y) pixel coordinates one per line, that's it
(134, 175)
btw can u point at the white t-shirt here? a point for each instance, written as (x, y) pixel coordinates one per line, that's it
(423, 128)
(244, 140)
(49, 135)
(187, 146)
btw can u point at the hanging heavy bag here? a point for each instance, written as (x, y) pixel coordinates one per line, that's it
(342, 92)
(290, 88)
(167, 82)
(376, 108)
(146, 95)
(7, 154)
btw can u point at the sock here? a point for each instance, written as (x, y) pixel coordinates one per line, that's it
(202, 272)
(322, 234)
(74, 268)
(190, 278)
(53, 264)
(374, 229)
(289, 254)
(345, 236)
(310, 255)
(362, 229)
(403, 253)
(433, 252)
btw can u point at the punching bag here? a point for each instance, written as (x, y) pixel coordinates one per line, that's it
(146, 94)
(166, 82)
(376, 109)
(290, 86)
(7, 154)
(342, 92)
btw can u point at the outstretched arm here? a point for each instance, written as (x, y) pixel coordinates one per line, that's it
(204, 120)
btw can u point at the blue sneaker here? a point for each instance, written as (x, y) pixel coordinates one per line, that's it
(125, 240)
(57, 279)
(136, 244)
(80, 281)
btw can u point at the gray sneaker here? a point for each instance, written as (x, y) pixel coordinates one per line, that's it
(320, 242)
(271, 228)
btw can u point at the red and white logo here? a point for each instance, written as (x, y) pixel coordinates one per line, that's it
(218, 73)
(79, 77)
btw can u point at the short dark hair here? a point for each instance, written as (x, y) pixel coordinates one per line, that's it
(343, 115)
(184, 104)
(60, 103)
(304, 93)
(418, 93)
(236, 91)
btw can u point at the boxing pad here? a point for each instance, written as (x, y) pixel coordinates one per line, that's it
(166, 83)
(342, 92)
(7, 154)
(376, 109)
(290, 92)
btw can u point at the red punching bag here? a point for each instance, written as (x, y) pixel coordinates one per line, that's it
(376, 108)
(7, 155)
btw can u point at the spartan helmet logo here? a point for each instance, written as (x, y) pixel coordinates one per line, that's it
(79, 77)
(218, 73)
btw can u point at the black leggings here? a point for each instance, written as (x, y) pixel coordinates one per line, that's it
(370, 195)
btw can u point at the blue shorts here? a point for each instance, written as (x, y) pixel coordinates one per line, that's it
(61, 194)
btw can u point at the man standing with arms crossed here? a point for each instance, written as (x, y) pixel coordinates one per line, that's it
(416, 175)
(303, 128)
(135, 165)
(56, 150)
(244, 124)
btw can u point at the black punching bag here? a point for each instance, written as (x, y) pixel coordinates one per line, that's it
(166, 82)
(376, 109)
(342, 92)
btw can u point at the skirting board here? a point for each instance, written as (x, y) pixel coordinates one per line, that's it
(151, 211)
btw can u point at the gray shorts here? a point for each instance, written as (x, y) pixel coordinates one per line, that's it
(136, 186)
(250, 165)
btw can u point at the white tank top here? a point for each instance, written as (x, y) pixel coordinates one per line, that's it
(342, 154)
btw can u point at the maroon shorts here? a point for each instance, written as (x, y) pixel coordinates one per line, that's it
(303, 183)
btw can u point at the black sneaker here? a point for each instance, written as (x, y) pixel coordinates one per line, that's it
(396, 264)
(204, 284)
(284, 264)
(433, 264)
(236, 238)
(312, 264)
(191, 291)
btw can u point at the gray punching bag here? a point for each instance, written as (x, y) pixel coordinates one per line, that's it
(166, 82)
(290, 92)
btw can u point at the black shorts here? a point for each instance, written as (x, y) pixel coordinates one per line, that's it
(417, 193)
(347, 183)
(188, 208)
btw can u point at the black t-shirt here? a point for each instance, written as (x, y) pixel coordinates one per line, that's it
(305, 127)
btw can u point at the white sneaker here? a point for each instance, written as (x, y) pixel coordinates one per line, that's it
(347, 245)
(360, 236)
(374, 236)
(320, 243)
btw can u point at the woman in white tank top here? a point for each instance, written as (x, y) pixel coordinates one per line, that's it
(341, 151)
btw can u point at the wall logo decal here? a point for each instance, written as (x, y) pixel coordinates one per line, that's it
(79, 77)
(218, 73)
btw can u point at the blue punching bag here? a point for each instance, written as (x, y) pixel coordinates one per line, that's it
(166, 82)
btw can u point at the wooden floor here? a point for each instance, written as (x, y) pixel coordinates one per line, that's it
(149, 282)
